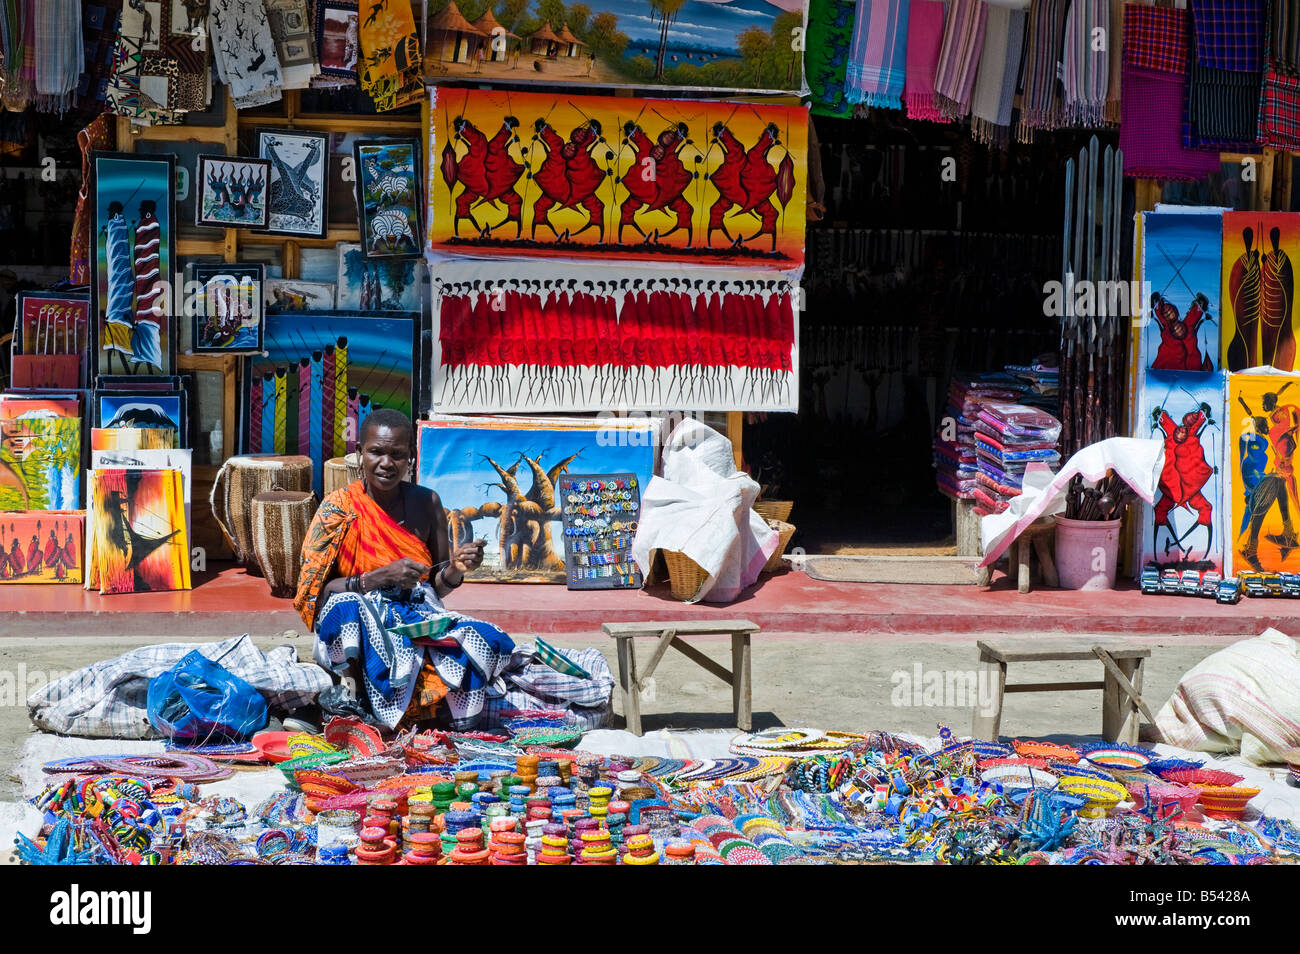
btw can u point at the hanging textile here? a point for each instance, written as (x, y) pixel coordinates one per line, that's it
(1284, 36)
(963, 37)
(999, 71)
(244, 52)
(390, 55)
(1279, 115)
(554, 339)
(1224, 82)
(101, 134)
(10, 45)
(19, 41)
(830, 36)
(337, 31)
(128, 93)
(99, 29)
(1086, 69)
(1229, 33)
(1155, 96)
(877, 59)
(1115, 58)
(924, 39)
(58, 53)
(1040, 106)
(291, 29)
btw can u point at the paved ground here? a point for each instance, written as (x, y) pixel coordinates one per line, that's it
(831, 682)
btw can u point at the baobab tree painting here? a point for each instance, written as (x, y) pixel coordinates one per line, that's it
(496, 478)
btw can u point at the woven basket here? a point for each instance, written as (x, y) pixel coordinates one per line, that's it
(280, 522)
(786, 531)
(238, 482)
(685, 576)
(774, 509)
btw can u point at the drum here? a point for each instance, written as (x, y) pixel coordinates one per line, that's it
(239, 481)
(280, 522)
(341, 471)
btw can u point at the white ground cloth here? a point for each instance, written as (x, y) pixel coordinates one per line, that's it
(703, 507)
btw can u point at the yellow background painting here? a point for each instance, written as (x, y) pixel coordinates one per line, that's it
(1258, 289)
(556, 175)
(1264, 423)
(150, 504)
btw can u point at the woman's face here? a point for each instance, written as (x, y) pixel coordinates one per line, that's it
(385, 457)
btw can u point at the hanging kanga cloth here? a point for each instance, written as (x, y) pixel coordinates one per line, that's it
(58, 53)
(830, 32)
(390, 54)
(337, 30)
(877, 59)
(924, 38)
(1085, 69)
(998, 74)
(293, 41)
(1040, 106)
(129, 93)
(244, 52)
(101, 134)
(99, 29)
(963, 38)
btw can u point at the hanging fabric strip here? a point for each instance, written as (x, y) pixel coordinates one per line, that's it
(1040, 106)
(18, 33)
(337, 30)
(1086, 67)
(553, 339)
(1279, 115)
(963, 37)
(877, 60)
(99, 30)
(830, 33)
(244, 52)
(390, 55)
(999, 72)
(1115, 61)
(1150, 131)
(924, 38)
(291, 29)
(129, 93)
(58, 53)
(1284, 36)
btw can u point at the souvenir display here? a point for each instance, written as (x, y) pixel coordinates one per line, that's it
(698, 44)
(483, 467)
(296, 202)
(135, 250)
(600, 520)
(228, 311)
(388, 197)
(232, 192)
(320, 374)
(188, 183)
(40, 452)
(631, 179)
(135, 531)
(41, 546)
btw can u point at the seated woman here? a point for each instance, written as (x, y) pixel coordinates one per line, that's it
(376, 564)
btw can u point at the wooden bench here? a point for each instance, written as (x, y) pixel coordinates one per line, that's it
(1121, 687)
(632, 680)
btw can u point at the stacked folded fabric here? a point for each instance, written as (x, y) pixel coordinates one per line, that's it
(956, 467)
(1008, 438)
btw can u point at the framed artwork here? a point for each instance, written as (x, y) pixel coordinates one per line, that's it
(41, 546)
(135, 531)
(187, 154)
(50, 340)
(1259, 261)
(497, 477)
(321, 374)
(227, 315)
(134, 243)
(232, 192)
(132, 438)
(288, 294)
(750, 45)
(40, 453)
(388, 197)
(172, 459)
(299, 181)
(597, 177)
(338, 38)
(1180, 330)
(382, 285)
(142, 409)
(1264, 410)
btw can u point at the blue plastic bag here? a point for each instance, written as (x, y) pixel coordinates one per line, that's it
(200, 699)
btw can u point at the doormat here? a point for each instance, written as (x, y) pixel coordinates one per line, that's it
(895, 569)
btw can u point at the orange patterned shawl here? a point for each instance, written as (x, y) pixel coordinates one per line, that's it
(350, 534)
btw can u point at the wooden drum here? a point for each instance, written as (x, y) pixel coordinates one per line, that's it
(239, 481)
(280, 521)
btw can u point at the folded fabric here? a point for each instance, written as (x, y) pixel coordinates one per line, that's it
(1155, 38)
(878, 58)
(1085, 69)
(963, 38)
(1040, 106)
(1151, 130)
(1229, 33)
(1284, 36)
(1222, 109)
(924, 38)
(831, 31)
(998, 74)
(1279, 112)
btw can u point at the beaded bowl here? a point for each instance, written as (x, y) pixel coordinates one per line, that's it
(1118, 761)
(1203, 776)
(1018, 776)
(1225, 801)
(1038, 749)
(1165, 797)
(1102, 795)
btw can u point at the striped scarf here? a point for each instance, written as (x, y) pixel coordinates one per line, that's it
(924, 38)
(1040, 106)
(58, 53)
(963, 37)
(999, 71)
(1284, 36)
(1116, 53)
(877, 60)
(1086, 70)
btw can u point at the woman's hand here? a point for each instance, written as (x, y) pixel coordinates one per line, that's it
(468, 556)
(402, 574)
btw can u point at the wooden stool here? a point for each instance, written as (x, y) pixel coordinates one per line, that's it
(1121, 688)
(1038, 536)
(669, 634)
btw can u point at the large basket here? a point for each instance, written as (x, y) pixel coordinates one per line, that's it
(280, 521)
(786, 531)
(774, 509)
(685, 576)
(238, 482)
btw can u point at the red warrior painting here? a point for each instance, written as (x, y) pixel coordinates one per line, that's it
(657, 180)
(487, 173)
(569, 177)
(1276, 301)
(1185, 473)
(746, 179)
(1179, 348)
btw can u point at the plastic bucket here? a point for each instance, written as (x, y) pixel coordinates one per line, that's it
(1086, 553)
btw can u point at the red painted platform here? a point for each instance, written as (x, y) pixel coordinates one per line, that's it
(230, 602)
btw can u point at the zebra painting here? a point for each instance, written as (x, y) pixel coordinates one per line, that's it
(388, 197)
